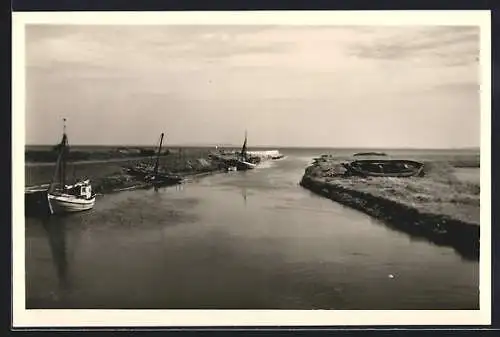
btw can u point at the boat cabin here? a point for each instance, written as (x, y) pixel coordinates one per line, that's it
(80, 189)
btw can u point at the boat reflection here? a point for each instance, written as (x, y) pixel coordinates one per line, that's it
(244, 194)
(55, 227)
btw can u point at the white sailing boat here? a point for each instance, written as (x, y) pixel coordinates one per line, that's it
(64, 198)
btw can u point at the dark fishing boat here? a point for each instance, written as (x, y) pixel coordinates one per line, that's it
(140, 170)
(151, 173)
(385, 168)
(36, 201)
(239, 160)
(246, 162)
(161, 178)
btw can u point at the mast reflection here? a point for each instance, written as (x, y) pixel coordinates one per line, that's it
(244, 194)
(55, 228)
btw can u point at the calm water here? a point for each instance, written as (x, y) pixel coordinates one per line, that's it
(242, 240)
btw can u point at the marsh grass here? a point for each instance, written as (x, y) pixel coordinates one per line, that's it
(109, 175)
(438, 192)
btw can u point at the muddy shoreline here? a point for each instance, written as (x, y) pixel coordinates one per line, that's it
(401, 212)
(109, 176)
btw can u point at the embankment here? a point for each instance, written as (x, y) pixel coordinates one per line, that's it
(49, 155)
(437, 207)
(109, 176)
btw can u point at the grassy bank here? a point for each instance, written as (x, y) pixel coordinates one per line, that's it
(437, 206)
(50, 156)
(108, 176)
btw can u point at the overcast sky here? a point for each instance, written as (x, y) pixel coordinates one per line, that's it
(288, 85)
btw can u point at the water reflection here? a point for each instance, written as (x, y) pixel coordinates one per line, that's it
(206, 248)
(244, 194)
(55, 228)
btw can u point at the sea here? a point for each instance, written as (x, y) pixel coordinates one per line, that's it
(241, 240)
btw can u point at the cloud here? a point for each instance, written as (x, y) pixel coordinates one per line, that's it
(451, 46)
(207, 82)
(142, 47)
(459, 86)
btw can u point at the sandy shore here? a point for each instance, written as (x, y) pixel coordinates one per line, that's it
(437, 206)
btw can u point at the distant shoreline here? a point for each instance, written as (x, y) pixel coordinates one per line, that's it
(85, 162)
(176, 146)
(42, 155)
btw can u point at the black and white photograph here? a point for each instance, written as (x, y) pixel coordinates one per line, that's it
(244, 163)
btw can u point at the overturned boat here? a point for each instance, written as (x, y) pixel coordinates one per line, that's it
(384, 168)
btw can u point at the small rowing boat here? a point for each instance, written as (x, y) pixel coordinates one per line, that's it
(385, 168)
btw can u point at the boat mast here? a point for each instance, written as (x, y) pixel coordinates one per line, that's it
(59, 164)
(64, 153)
(157, 163)
(244, 148)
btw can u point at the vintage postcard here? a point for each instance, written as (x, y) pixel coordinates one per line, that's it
(217, 169)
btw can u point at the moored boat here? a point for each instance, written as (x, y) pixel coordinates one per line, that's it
(73, 198)
(36, 202)
(244, 161)
(241, 160)
(63, 198)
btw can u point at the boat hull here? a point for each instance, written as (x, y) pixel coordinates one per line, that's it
(36, 202)
(138, 172)
(243, 165)
(385, 168)
(69, 204)
(164, 180)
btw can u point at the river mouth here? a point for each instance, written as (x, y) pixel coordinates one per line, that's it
(241, 240)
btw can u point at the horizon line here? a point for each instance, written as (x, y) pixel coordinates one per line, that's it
(270, 146)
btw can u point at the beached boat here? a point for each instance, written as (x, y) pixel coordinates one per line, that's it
(385, 168)
(157, 178)
(151, 173)
(360, 154)
(64, 198)
(140, 170)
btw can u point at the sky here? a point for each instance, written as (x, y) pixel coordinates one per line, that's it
(304, 86)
